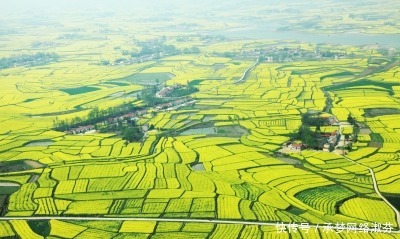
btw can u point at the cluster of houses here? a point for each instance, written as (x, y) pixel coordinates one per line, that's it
(289, 54)
(330, 120)
(173, 105)
(140, 59)
(134, 116)
(154, 49)
(330, 139)
(295, 146)
(149, 57)
(81, 129)
(166, 91)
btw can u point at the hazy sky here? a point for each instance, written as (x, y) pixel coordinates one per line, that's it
(67, 5)
(156, 9)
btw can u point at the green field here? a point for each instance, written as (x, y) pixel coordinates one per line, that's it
(147, 78)
(79, 90)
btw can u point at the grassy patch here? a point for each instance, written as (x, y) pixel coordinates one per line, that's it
(117, 83)
(218, 66)
(232, 131)
(41, 227)
(148, 78)
(362, 83)
(376, 140)
(375, 137)
(373, 112)
(79, 90)
(8, 190)
(195, 82)
(378, 61)
(394, 199)
(338, 75)
(14, 166)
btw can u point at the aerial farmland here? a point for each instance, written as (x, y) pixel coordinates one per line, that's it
(170, 119)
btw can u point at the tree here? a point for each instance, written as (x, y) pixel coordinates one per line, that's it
(350, 119)
(94, 114)
(318, 128)
(307, 136)
(132, 134)
(312, 119)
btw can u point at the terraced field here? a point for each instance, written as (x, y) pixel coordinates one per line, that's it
(100, 175)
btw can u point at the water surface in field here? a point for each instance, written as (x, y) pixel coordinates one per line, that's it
(198, 167)
(40, 143)
(206, 130)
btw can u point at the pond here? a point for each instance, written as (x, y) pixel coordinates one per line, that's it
(208, 118)
(40, 143)
(198, 167)
(206, 130)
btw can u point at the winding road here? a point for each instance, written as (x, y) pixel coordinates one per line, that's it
(247, 72)
(375, 183)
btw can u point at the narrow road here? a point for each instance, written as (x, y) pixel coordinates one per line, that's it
(247, 72)
(375, 183)
(216, 221)
(244, 76)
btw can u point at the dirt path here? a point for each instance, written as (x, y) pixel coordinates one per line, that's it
(8, 184)
(247, 72)
(34, 164)
(375, 184)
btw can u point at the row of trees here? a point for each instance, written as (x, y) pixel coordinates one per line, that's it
(94, 116)
(183, 91)
(150, 50)
(39, 58)
(148, 94)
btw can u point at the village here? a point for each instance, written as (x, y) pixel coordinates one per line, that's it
(286, 54)
(125, 124)
(130, 119)
(328, 135)
(151, 50)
